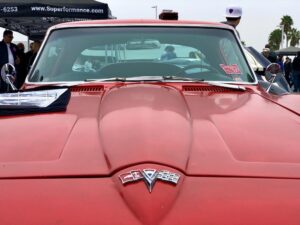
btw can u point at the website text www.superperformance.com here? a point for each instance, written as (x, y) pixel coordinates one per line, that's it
(65, 9)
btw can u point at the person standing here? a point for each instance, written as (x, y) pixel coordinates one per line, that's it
(288, 70)
(266, 53)
(22, 67)
(28, 55)
(280, 62)
(35, 49)
(233, 16)
(8, 54)
(296, 72)
(169, 53)
(272, 55)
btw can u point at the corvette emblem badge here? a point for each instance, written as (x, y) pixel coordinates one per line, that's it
(149, 176)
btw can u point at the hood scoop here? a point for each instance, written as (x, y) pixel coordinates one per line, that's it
(145, 123)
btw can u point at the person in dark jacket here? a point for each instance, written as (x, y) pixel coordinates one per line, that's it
(35, 49)
(296, 72)
(8, 54)
(280, 62)
(268, 54)
(272, 55)
(288, 69)
(28, 55)
(22, 67)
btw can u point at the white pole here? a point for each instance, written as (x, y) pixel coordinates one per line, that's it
(155, 7)
(282, 35)
(28, 44)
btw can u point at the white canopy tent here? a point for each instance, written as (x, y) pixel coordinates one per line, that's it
(288, 51)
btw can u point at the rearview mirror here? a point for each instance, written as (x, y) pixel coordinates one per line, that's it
(8, 75)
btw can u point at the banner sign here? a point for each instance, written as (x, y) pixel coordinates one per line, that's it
(94, 11)
(33, 19)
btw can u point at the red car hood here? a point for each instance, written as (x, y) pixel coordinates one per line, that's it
(197, 131)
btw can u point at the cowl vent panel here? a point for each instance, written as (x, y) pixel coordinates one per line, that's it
(207, 89)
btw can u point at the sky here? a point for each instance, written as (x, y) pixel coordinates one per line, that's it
(260, 17)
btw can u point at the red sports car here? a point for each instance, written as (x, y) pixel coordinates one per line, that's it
(181, 135)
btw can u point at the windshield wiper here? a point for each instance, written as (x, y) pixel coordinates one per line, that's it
(86, 81)
(118, 79)
(170, 77)
(230, 86)
(156, 79)
(129, 79)
(121, 79)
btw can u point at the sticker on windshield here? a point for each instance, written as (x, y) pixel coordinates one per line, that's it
(231, 69)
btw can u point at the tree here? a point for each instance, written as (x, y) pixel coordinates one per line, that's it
(275, 39)
(295, 37)
(287, 22)
(292, 34)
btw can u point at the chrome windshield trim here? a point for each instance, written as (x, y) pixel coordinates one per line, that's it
(74, 83)
(137, 24)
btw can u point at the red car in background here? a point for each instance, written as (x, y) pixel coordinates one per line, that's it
(105, 134)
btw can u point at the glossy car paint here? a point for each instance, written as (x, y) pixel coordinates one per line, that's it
(229, 173)
(198, 200)
(237, 153)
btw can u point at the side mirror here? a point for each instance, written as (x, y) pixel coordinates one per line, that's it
(8, 75)
(273, 69)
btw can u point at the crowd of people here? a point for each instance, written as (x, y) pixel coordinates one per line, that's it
(16, 56)
(290, 68)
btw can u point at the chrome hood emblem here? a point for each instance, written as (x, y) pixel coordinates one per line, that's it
(150, 176)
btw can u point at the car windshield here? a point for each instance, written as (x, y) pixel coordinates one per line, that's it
(82, 54)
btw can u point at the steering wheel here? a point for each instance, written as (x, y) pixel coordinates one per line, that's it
(210, 68)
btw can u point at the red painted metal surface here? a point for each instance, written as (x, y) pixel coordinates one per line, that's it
(237, 154)
(291, 102)
(196, 132)
(197, 200)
